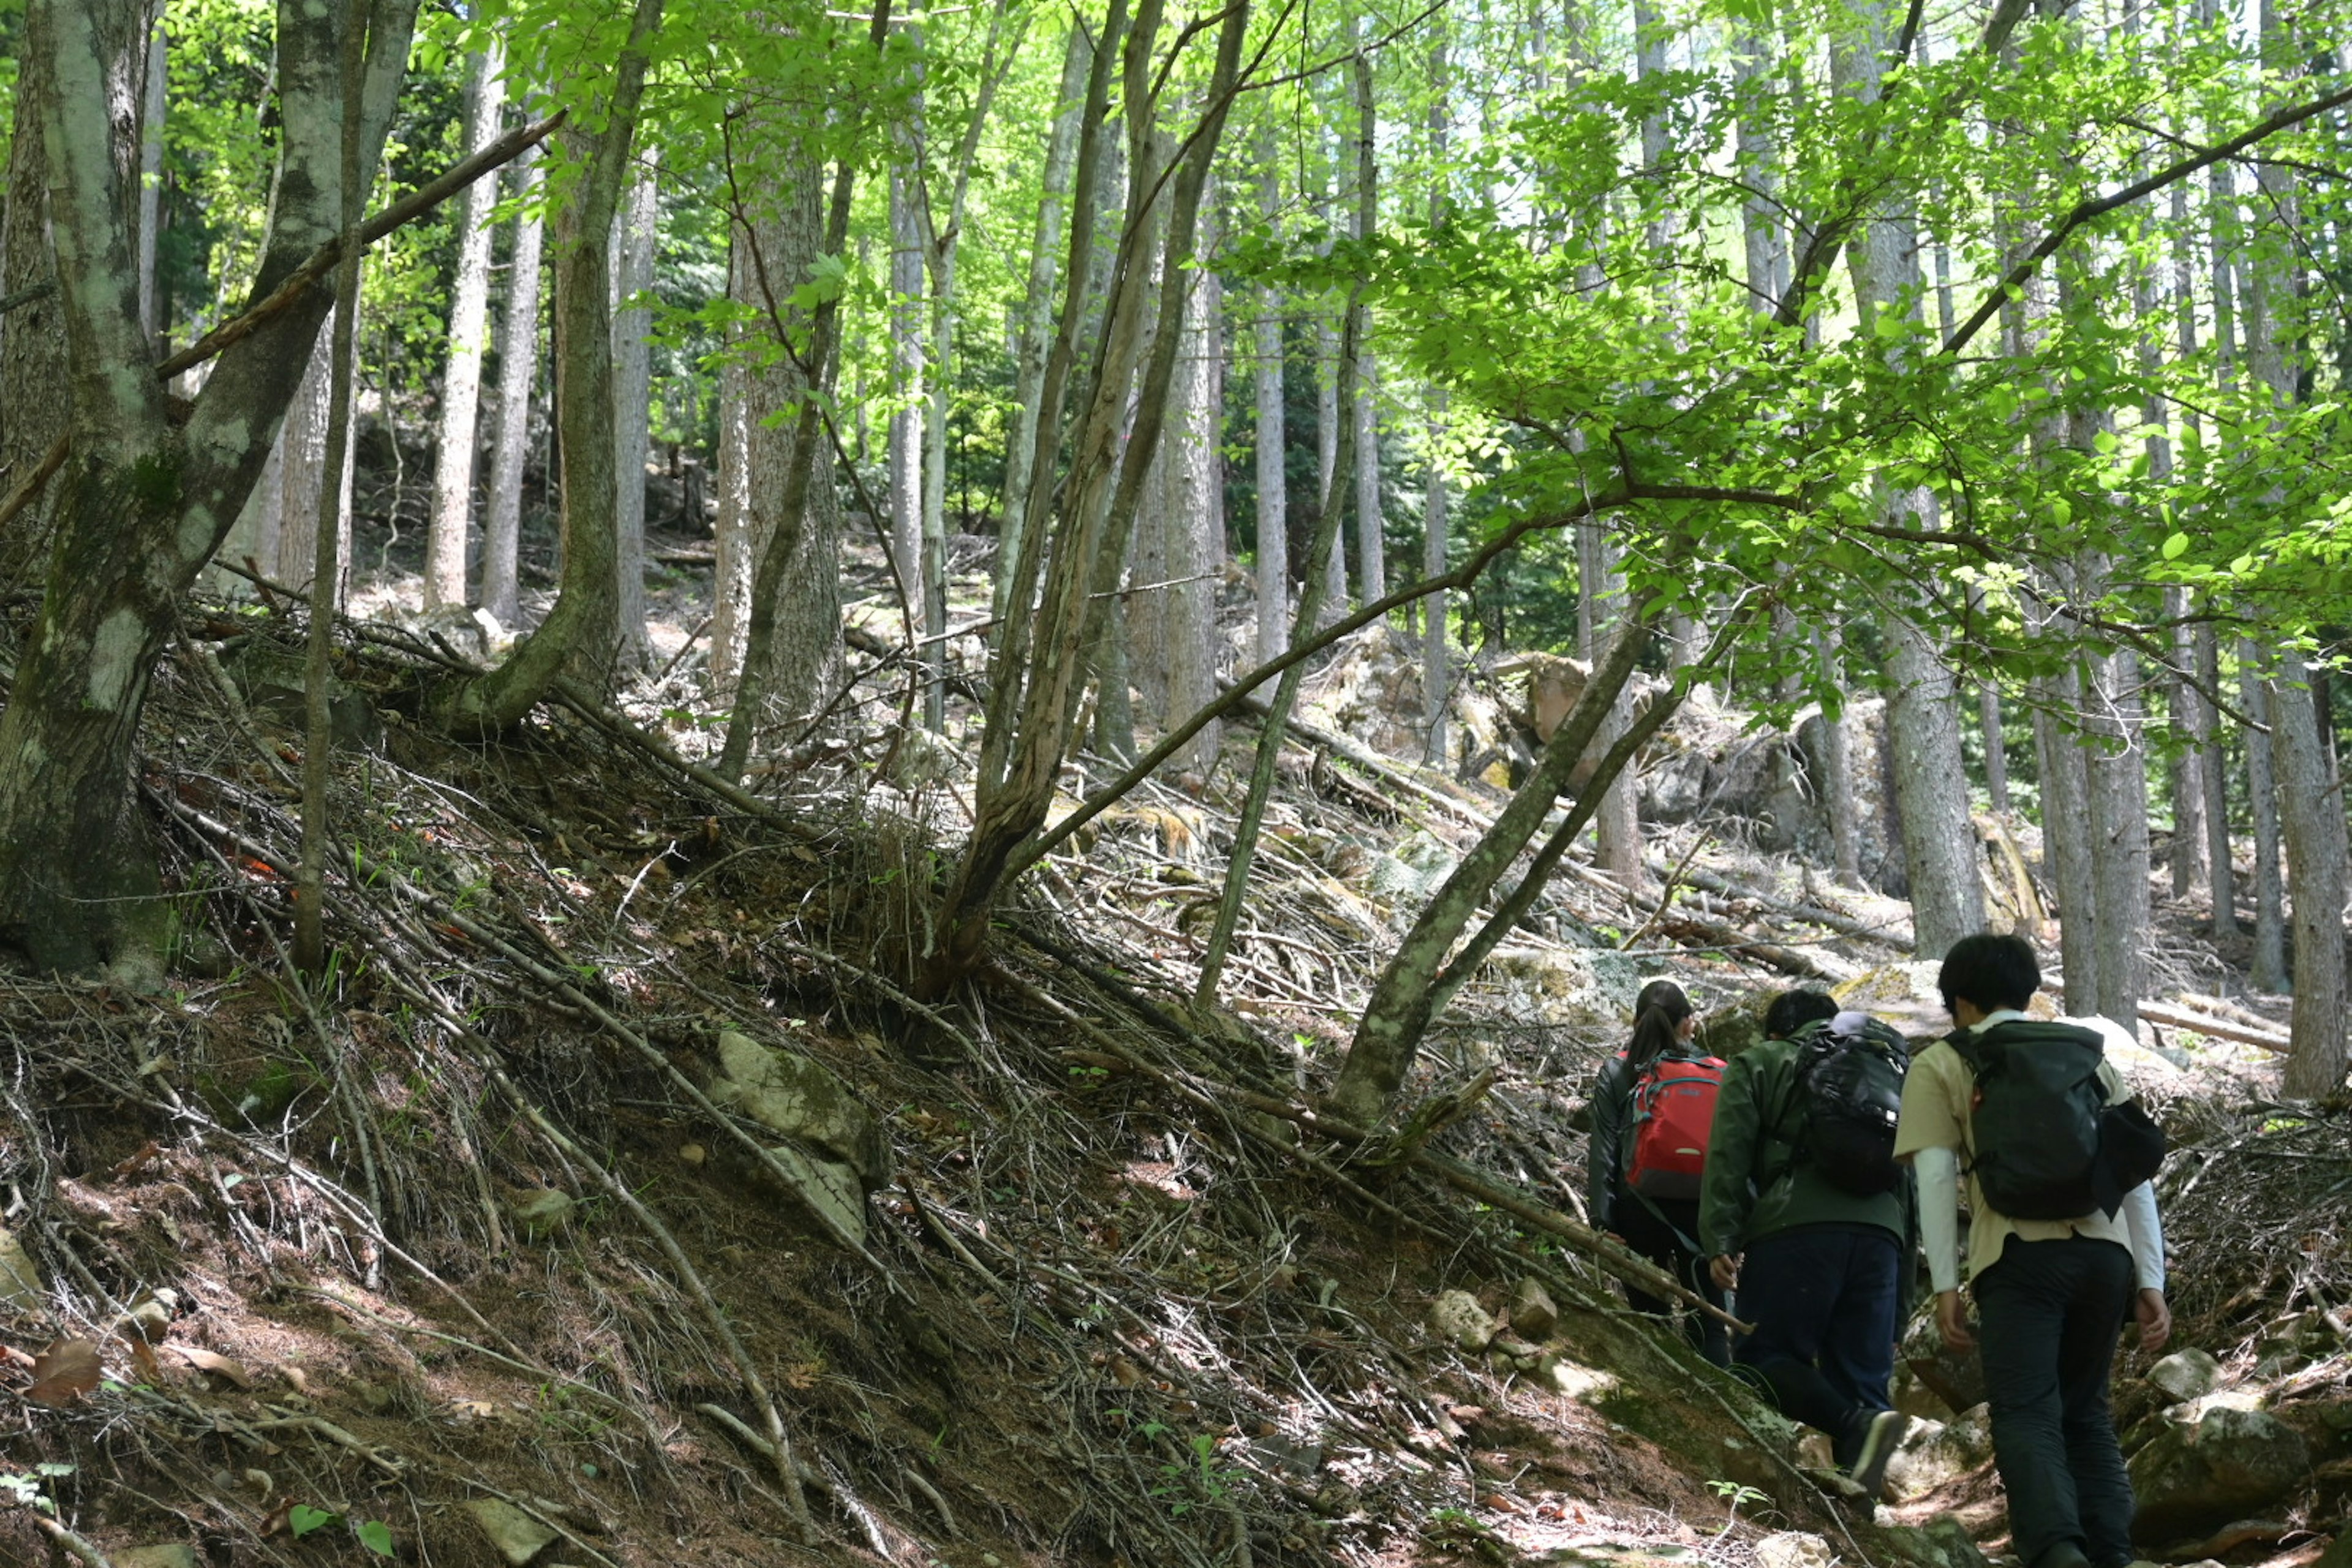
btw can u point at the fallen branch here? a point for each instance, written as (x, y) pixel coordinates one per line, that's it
(2173, 1017)
(67, 1540)
(1372, 761)
(1812, 914)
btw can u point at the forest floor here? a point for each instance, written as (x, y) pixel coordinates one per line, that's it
(479, 1256)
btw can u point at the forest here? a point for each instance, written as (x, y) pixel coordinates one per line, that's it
(1124, 589)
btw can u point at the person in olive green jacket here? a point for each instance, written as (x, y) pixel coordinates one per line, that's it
(1821, 1272)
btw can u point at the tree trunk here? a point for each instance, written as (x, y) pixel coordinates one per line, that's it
(461, 379)
(2266, 969)
(1334, 565)
(1837, 773)
(907, 389)
(77, 868)
(1196, 517)
(301, 472)
(2312, 813)
(1034, 676)
(1389, 1033)
(581, 636)
(517, 371)
(1371, 543)
(1037, 335)
(1996, 746)
(2213, 776)
(1270, 454)
(154, 103)
(633, 274)
(1600, 607)
(2117, 773)
(2065, 829)
(733, 548)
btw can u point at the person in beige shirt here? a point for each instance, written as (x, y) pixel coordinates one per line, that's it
(2052, 1295)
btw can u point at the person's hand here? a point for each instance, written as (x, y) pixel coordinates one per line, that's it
(1952, 1322)
(2155, 1319)
(1724, 1271)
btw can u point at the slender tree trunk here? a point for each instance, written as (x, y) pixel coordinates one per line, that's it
(1334, 565)
(1036, 336)
(518, 370)
(32, 336)
(1389, 1033)
(906, 442)
(1436, 673)
(633, 274)
(1837, 773)
(1196, 517)
(461, 379)
(1599, 609)
(302, 468)
(1273, 477)
(733, 546)
(581, 636)
(1996, 746)
(2213, 777)
(2066, 794)
(2311, 814)
(2118, 764)
(155, 102)
(2266, 969)
(1372, 544)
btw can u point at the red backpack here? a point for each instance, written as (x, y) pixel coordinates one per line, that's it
(1673, 1112)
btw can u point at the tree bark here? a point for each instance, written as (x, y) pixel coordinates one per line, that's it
(1600, 608)
(2311, 814)
(2066, 828)
(1036, 337)
(1837, 773)
(1271, 450)
(1371, 543)
(1397, 1014)
(581, 636)
(906, 440)
(1196, 517)
(446, 536)
(517, 372)
(302, 464)
(633, 274)
(2267, 968)
(2118, 766)
(145, 500)
(154, 103)
(2213, 778)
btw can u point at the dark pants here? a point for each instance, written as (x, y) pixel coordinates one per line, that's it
(2049, 1314)
(1656, 1239)
(1823, 1301)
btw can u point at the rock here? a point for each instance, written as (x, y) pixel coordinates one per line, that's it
(1533, 1313)
(1936, 1453)
(22, 1288)
(1950, 1540)
(1574, 1379)
(828, 1187)
(2186, 1374)
(542, 1212)
(2215, 1463)
(1457, 1318)
(797, 1099)
(174, 1555)
(515, 1536)
(1956, 1377)
(1793, 1549)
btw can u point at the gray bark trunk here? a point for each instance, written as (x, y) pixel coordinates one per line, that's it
(2311, 814)
(1273, 478)
(445, 537)
(1599, 609)
(1036, 333)
(518, 373)
(301, 474)
(2065, 829)
(155, 102)
(1372, 544)
(733, 548)
(1837, 773)
(1196, 517)
(2118, 764)
(2213, 778)
(633, 273)
(76, 870)
(1996, 747)
(2266, 969)
(905, 443)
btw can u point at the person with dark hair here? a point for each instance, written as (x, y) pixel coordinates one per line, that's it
(1651, 1107)
(2065, 1244)
(1816, 1236)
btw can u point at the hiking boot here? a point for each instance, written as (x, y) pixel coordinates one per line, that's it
(1868, 1470)
(2065, 1554)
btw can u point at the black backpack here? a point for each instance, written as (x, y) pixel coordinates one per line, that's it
(1849, 1077)
(2048, 1144)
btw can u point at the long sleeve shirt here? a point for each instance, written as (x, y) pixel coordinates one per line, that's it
(1755, 1182)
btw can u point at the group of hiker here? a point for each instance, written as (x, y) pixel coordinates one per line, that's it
(1794, 1186)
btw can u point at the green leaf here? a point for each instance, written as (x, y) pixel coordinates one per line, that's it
(377, 1536)
(302, 1518)
(2176, 547)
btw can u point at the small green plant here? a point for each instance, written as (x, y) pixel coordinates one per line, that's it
(302, 1520)
(1734, 1494)
(29, 1489)
(1202, 1471)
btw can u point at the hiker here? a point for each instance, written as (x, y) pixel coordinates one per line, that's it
(2063, 1246)
(1651, 1109)
(1806, 1212)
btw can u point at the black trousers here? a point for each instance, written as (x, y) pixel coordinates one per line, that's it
(1822, 1300)
(2049, 1314)
(1656, 1239)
